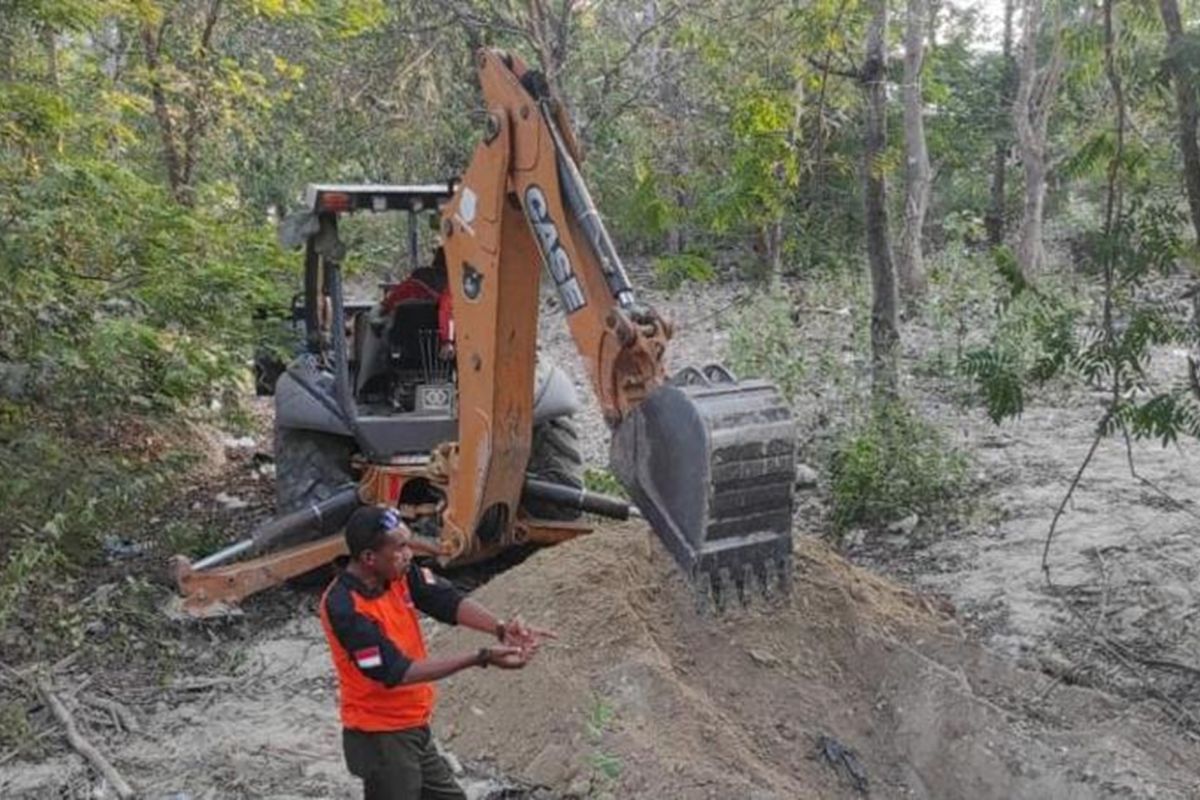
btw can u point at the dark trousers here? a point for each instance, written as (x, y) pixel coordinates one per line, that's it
(399, 765)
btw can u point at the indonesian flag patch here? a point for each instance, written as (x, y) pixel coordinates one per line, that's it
(368, 657)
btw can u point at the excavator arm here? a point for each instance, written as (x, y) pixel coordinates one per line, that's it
(709, 461)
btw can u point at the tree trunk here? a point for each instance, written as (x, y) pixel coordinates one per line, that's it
(656, 62)
(196, 116)
(771, 236)
(1036, 91)
(995, 216)
(50, 45)
(885, 329)
(1185, 100)
(8, 56)
(162, 114)
(1029, 242)
(549, 33)
(911, 269)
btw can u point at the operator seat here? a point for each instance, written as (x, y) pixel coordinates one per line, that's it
(413, 334)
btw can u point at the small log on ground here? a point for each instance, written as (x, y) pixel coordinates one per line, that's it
(83, 746)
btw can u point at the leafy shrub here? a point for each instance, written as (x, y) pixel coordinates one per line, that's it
(598, 479)
(120, 294)
(674, 271)
(891, 465)
(65, 493)
(764, 343)
(1034, 340)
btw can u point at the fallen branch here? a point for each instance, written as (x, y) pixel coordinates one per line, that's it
(83, 746)
(119, 710)
(199, 684)
(1128, 660)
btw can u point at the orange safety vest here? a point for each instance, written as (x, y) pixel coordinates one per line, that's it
(373, 639)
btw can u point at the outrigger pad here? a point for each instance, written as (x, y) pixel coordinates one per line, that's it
(710, 462)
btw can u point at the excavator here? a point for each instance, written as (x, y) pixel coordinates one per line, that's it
(370, 413)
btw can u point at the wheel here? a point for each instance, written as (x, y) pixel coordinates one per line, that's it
(555, 456)
(267, 369)
(309, 467)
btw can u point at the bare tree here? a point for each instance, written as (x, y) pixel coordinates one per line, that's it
(995, 215)
(1185, 99)
(545, 28)
(911, 269)
(1037, 87)
(885, 329)
(181, 131)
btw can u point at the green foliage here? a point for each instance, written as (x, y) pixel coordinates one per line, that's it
(31, 114)
(959, 299)
(123, 295)
(674, 271)
(64, 493)
(646, 215)
(15, 728)
(1043, 335)
(191, 539)
(600, 719)
(1033, 342)
(764, 343)
(890, 465)
(598, 479)
(607, 765)
(763, 165)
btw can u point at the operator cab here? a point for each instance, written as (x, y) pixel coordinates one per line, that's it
(395, 346)
(399, 368)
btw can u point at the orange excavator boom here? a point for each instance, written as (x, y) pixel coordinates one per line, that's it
(708, 460)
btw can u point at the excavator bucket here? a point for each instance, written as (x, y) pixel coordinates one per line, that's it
(710, 463)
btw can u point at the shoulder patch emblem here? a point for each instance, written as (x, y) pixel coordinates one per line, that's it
(368, 657)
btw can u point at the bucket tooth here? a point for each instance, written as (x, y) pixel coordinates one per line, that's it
(702, 586)
(710, 462)
(748, 584)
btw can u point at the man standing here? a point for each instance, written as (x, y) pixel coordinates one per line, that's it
(385, 677)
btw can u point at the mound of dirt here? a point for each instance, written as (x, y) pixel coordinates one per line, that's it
(642, 696)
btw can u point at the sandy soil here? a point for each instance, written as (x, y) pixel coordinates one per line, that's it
(640, 684)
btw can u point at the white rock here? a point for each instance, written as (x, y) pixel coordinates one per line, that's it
(230, 502)
(806, 477)
(905, 526)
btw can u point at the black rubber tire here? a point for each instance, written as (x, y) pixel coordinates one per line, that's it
(555, 456)
(309, 467)
(267, 369)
